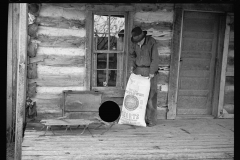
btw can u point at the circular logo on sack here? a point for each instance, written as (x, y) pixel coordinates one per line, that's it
(131, 102)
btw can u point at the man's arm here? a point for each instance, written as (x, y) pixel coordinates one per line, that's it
(154, 58)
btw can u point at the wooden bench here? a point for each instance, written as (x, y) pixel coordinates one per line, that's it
(66, 122)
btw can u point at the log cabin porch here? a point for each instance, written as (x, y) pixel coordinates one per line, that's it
(195, 138)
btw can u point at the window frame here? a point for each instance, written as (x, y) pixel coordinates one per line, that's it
(121, 54)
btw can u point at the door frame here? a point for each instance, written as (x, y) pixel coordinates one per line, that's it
(176, 51)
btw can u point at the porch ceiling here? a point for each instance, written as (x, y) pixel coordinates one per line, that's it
(169, 139)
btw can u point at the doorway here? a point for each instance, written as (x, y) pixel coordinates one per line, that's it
(198, 53)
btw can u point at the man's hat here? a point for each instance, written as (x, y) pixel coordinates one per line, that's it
(137, 34)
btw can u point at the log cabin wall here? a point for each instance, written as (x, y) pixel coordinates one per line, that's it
(60, 56)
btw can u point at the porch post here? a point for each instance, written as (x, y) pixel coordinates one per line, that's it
(174, 64)
(21, 79)
(223, 68)
(9, 69)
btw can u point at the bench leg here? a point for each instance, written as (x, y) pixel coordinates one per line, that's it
(69, 128)
(84, 129)
(52, 130)
(98, 126)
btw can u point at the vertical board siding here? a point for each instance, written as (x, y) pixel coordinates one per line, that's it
(159, 24)
(60, 57)
(228, 103)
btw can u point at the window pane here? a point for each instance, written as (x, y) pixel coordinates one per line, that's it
(101, 78)
(112, 78)
(101, 32)
(112, 60)
(101, 24)
(101, 41)
(101, 60)
(117, 25)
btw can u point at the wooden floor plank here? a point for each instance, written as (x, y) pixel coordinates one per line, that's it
(181, 139)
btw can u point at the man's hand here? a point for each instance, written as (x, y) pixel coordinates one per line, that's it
(131, 70)
(151, 75)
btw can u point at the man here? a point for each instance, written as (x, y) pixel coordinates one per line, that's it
(144, 61)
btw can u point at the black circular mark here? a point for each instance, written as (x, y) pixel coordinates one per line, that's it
(109, 111)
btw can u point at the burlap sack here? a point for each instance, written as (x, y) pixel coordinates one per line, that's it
(135, 101)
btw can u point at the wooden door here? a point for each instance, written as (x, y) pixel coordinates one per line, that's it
(197, 61)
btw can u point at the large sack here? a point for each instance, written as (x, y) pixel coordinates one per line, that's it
(135, 101)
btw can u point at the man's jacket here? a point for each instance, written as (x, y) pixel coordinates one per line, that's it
(145, 56)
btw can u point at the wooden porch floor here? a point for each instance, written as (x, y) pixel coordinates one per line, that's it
(170, 139)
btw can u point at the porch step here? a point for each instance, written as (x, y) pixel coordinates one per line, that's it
(187, 116)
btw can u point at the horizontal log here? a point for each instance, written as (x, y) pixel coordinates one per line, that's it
(228, 88)
(58, 82)
(160, 35)
(162, 87)
(49, 115)
(163, 77)
(111, 92)
(230, 71)
(230, 53)
(58, 41)
(154, 26)
(231, 36)
(31, 91)
(164, 43)
(229, 98)
(57, 12)
(47, 96)
(162, 99)
(60, 71)
(163, 68)
(164, 59)
(153, 7)
(32, 71)
(118, 100)
(102, 7)
(48, 108)
(229, 81)
(61, 61)
(230, 61)
(58, 90)
(51, 31)
(158, 16)
(164, 50)
(60, 51)
(81, 115)
(77, 6)
(60, 22)
(229, 108)
(231, 45)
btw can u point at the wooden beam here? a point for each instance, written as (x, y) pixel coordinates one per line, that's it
(219, 57)
(21, 79)
(88, 60)
(9, 68)
(14, 57)
(174, 69)
(224, 65)
(128, 46)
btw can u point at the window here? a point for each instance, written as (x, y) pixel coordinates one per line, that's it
(108, 49)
